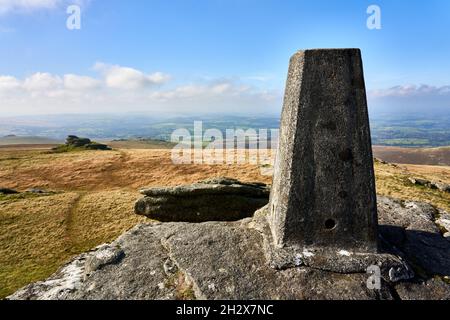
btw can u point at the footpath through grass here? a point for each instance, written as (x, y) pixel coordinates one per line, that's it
(39, 234)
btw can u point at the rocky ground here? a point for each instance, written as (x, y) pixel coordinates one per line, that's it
(226, 260)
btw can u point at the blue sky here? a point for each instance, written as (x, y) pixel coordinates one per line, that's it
(210, 55)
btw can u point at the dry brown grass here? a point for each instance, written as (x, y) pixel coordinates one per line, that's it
(100, 217)
(39, 234)
(33, 239)
(100, 170)
(393, 181)
(97, 193)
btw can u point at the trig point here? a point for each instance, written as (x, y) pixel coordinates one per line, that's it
(323, 195)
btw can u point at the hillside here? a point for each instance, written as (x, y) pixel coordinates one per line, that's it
(422, 156)
(30, 140)
(94, 194)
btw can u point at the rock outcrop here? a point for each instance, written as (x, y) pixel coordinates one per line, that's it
(220, 199)
(226, 260)
(444, 223)
(444, 187)
(7, 191)
(38, 191)
(74, 142)
(31, 191)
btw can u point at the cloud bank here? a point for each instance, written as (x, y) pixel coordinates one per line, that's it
(117, 88)
(114, 88)
(411, 91)
(406, 99)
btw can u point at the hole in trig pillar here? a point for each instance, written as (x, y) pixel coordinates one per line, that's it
(330, 224)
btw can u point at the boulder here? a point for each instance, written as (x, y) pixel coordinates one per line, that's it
(8, 191)
(97, 146)
(444, 221)
(227, 260)
(441, 186)
(76, 142)
(219, 199)
(37, 191)
(377, 160)
(444, 187)
(419, 182)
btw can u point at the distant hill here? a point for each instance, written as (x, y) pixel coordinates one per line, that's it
(421, 156)
(29, 140)
(405, 130)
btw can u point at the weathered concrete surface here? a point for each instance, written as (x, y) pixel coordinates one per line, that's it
(226, 260)
(323, 193)
(332, 259)
(220, 199)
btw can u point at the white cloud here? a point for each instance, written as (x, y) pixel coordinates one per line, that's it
(213, 88)
(225, 96)
(411, 91)
(8, 83)
(80, 83)
(128, 78)
(42, 82)
(407, 99)
(118, 89)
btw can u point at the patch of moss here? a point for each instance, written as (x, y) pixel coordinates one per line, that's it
(183, 289)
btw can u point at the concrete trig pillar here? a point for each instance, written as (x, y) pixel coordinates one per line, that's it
(323, 194)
